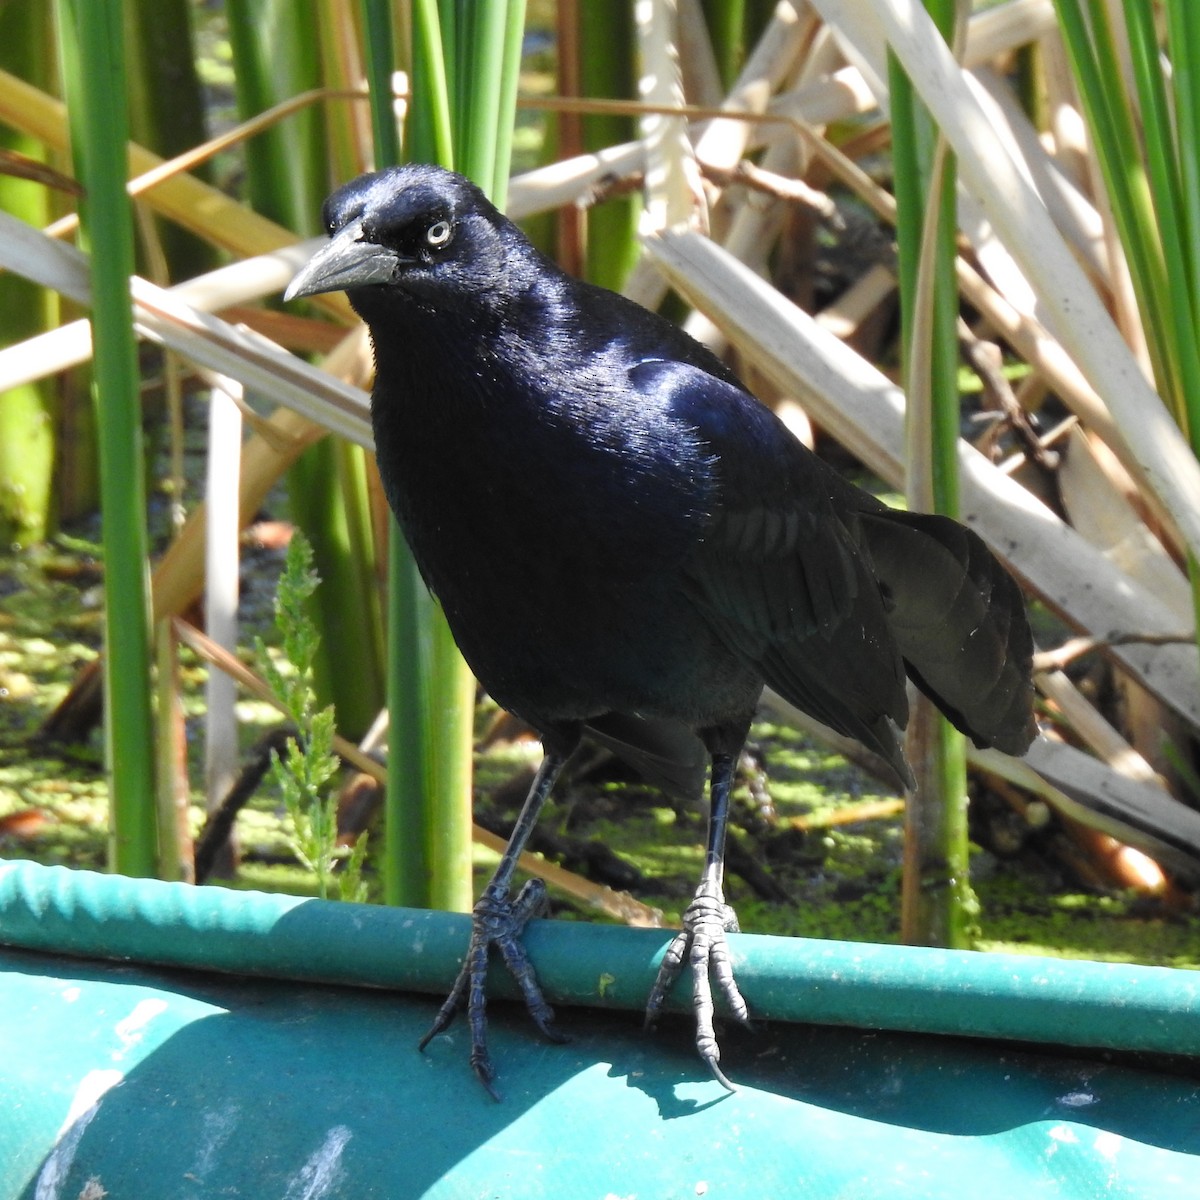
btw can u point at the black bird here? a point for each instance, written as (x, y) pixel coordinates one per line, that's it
(628, 545)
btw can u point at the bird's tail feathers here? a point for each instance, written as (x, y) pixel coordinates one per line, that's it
(665, 753)
(959, 620)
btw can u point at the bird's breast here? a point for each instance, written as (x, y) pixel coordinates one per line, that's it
(552, 544)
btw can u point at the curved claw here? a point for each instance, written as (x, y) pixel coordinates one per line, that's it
(668, 972)
(500, 922)
(702, 944)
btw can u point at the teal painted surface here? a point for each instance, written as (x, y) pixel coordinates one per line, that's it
(166, 1083)
(161, 1085)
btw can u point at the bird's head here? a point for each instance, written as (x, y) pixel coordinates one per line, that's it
(412, 233)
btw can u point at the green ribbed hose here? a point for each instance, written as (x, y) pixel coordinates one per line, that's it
(1063, 1002)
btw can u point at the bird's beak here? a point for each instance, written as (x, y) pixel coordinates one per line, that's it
(348, 261)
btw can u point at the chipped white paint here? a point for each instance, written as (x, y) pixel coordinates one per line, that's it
(131, 1029)
(84, 1106)
(1078, 1100)
(219, 1126)
(323, 1169)
(71, 994)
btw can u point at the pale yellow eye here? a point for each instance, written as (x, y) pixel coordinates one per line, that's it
(438, 234)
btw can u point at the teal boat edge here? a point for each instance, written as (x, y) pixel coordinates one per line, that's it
(166, 1041)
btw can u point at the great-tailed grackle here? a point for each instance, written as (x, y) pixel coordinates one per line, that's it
(627, 544)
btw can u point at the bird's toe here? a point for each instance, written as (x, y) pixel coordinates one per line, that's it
(703, 946)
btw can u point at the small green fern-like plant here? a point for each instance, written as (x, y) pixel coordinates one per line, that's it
(309, 763)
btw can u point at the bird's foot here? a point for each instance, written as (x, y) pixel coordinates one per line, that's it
(499, 921)
(702, 944)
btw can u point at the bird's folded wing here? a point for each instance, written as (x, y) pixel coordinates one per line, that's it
(780, 574)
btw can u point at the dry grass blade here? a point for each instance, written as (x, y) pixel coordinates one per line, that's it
(21, 166)
(1096, 499)
(724, 141)
(673, 192)
(1004, 27)
(256, 363)
(1135, 812)
(1000, 184)
(1092, 729)
(178, 577)
(185, 199)
(1062, 656)
(48, 353)
(28, 252)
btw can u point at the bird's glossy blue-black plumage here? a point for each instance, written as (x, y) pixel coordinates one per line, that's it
(625, 541)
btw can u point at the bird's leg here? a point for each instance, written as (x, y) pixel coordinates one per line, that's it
(702, 940)
(499, 920)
